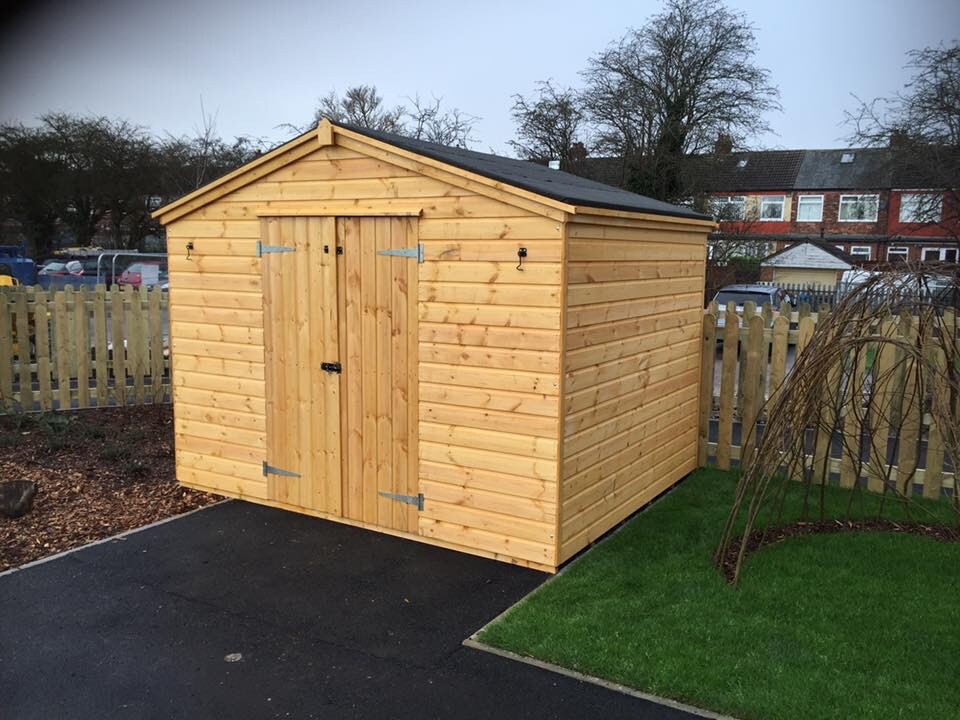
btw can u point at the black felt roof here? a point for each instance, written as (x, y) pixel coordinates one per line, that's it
(758, 170)
(538, 179)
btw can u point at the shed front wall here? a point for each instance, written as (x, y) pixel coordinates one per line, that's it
(634, 314)
(489, 346)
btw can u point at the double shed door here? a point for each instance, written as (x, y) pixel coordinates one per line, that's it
(341, 443)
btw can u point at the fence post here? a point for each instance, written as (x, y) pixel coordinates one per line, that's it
(728, 377)
(156, 345)
(708, 356)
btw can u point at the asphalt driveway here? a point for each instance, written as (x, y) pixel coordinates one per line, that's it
(329, 621)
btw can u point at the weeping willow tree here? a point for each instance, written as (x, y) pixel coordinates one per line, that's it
(887, 355)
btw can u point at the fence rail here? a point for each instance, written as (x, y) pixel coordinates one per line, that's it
(83, 348)
(734, 389)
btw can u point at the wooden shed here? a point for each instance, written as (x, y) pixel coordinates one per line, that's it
(466, 350)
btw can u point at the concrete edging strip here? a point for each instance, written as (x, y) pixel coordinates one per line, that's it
(110, 538)
(474, 644)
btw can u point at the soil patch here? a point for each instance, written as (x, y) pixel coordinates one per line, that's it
(98, 473)
(762, 538)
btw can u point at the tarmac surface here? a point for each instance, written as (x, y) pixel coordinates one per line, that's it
(243, 611)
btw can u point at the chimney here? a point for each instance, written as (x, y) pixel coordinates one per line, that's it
(898, 138)
(723, 145)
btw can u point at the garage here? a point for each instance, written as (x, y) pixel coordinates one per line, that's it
(472, 351)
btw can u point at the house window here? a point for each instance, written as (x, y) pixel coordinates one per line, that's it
(771, 207)
(810, 208)
(939, 255)
(732, 207)
(742, 163)
(859, 208)
(847, 158)
(897, 254)
(860, 251)
(920, 208)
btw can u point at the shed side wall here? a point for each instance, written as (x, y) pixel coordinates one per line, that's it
(489, 347)
(633, 322)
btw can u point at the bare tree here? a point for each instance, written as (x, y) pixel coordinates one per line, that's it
(668, 90)
(361, 105)
(428, 121)
(921, 124)
(551, 126)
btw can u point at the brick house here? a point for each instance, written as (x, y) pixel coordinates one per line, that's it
(850, 198)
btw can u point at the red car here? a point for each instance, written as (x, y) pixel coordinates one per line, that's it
(133, 275)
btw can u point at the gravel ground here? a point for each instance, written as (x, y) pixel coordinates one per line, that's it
(98, 473)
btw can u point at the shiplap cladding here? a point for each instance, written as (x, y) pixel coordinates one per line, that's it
(489, 346)
(633, 319)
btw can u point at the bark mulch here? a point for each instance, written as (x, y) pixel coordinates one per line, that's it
(98, 473)
(762, 538)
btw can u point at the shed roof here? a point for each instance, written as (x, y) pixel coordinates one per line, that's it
(534, 177)
(570, 190)
(780, 256)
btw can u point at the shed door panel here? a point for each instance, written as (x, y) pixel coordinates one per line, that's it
(300, 311)
(380, 350)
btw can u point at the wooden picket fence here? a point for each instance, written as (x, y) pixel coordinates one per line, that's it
(733, 390)
(80, 348)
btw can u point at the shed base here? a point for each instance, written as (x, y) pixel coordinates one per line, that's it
(376, 528)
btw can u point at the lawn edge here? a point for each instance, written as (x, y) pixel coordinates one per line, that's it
(474, 644)
(109, 538)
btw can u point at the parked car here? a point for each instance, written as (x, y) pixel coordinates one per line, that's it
(57, 274)
(742, 294)
(135, 274)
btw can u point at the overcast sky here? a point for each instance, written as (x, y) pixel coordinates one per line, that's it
(258, 65)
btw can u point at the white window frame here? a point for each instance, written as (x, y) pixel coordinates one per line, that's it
(915, 221)
(840, 248)
(941, 254)
(858, 199)
(800, 200)
(783, 205)
(896, 249)
(720, 202)
(857, 251)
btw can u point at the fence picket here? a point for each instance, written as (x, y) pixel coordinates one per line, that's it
(118, 349)
(81, 319)
(933, 477)
(748, 423)
(61, 342)
(850, 449)
(100, 345)
(883, 386)
(155, 311)
(25, 380)
(135, 344)
(41, 323)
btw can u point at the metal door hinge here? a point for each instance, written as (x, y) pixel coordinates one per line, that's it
(405, 499)
(414, 252)
(270, 470)
(267, 249)
(331, 367)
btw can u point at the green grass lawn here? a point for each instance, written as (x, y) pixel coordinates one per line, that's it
(852, 625)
